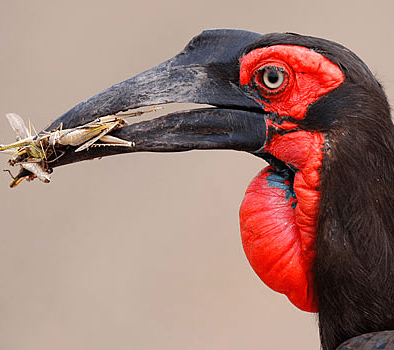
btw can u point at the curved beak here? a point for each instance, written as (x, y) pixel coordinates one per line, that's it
(205, 72)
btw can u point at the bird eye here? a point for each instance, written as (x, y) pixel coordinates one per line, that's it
(272, 77)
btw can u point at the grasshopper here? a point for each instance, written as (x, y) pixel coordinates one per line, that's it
(25, 144)
(86, 135)
(34, 153)
(27, 152)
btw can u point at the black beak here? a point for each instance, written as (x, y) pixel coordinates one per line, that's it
(205, 72)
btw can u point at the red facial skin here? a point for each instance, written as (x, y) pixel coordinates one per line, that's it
(279, 220)
(310, 76)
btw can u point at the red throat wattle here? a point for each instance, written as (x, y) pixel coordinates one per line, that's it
(279, 214)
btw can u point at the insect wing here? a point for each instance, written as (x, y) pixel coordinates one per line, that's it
(18, 125)
(94, 139)
(38, 171)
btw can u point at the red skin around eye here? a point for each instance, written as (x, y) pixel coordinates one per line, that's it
(311, 76)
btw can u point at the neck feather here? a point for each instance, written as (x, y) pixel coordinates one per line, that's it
(355, 240)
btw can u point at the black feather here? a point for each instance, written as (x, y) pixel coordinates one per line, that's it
(355, 239)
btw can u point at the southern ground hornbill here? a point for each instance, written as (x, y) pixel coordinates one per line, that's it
(317, 224)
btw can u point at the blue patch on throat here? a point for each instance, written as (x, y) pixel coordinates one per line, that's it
(284, 183)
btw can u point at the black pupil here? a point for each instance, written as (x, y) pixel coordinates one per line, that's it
(273, 76)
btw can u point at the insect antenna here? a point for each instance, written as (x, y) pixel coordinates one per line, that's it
(9, 172)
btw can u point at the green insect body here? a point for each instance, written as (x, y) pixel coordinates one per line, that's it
(35, 153)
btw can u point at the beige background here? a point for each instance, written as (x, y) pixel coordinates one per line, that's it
(143, 251)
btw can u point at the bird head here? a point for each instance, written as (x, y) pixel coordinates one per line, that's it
(309, 107)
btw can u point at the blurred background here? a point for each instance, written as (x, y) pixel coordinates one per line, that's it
(143, 251)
